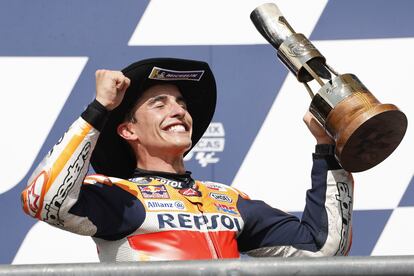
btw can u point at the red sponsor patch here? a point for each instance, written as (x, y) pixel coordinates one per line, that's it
(189, 192)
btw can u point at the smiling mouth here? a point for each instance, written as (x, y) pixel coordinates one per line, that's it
(176, 128)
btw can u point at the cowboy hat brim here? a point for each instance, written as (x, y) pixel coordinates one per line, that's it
(112, 155)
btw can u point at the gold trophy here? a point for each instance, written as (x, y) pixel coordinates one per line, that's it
(365, 131)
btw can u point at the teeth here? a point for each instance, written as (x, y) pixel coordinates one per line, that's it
(176, 128)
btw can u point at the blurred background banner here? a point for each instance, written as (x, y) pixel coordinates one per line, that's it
(49, 51)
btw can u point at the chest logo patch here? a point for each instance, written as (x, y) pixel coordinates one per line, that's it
(216, 187)
(225, 208)
(221, 197)
(154, 191)
(190, 192)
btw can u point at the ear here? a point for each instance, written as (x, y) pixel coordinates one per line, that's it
(126, 131)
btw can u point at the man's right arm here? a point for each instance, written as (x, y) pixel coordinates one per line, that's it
(55, 185)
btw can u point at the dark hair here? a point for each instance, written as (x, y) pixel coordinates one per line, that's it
(130, 116)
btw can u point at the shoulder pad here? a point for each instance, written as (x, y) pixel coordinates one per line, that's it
(98, 178)
(223, 188)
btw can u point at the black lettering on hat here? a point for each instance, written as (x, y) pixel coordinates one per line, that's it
(158, 73)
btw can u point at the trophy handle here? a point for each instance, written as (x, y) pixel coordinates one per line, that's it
(298, 54)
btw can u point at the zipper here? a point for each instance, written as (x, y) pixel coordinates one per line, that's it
(199, 203)
(211, 245)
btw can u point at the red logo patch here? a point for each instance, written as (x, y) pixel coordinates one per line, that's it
(189, 192)
(33, 191)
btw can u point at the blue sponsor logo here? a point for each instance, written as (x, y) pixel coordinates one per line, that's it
(198, 222)
(154, 205)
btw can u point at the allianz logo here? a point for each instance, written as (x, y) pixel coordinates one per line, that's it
(155, 205)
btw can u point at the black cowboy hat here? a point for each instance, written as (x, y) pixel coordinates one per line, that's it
(112, 155)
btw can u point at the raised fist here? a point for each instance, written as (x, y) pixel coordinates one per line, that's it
(110, 87)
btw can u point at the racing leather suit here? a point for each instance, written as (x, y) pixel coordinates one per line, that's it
(161, 216)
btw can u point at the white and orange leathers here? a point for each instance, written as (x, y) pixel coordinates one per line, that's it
(142, 219)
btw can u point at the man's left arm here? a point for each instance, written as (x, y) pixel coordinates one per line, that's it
(325, 227)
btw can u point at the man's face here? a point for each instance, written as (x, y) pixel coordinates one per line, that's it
(161, 121)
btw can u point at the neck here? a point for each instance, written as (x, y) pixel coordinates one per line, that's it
(171, 163)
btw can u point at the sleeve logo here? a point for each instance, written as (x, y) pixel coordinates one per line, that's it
(221, 197)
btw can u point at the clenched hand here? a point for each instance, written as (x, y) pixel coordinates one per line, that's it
(110, 88)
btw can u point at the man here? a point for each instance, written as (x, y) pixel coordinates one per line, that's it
(144, 205)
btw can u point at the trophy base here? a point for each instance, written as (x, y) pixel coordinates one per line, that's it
(365, 131)
(367, 136)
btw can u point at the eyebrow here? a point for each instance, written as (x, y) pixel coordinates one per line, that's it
(160, 98)
(163, 98)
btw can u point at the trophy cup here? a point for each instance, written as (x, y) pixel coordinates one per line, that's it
(365, 131)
